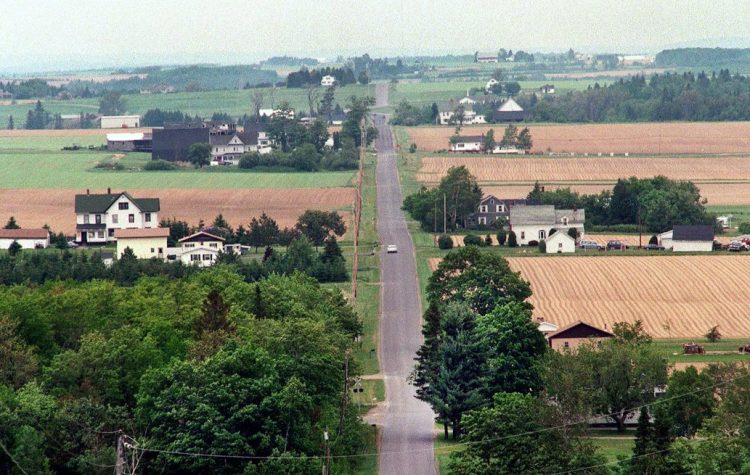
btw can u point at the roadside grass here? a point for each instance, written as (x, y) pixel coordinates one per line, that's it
(443, 450)
(203, 103)
(33, 169)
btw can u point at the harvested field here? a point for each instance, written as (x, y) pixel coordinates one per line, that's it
(715, 193)
(712, 290)
(650, 138)
(35, 207)
(609, 169)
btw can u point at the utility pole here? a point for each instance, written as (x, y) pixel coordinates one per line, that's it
(445, 216)
(327, 462)
(120, 462)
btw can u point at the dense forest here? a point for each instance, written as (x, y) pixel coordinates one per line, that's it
(704, 57)
(204, 364)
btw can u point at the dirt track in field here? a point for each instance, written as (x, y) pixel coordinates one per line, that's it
(602, 290)
(36, 207)
(651, 138)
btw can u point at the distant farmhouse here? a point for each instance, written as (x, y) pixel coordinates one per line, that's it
(479, 99)
(99, 215)
(536, 222)
(328, 81)
(572, 336)
(490, 210)
(485, 57)
(447, 112)
(510, 111)
(468, 144)
(547, 89)
(201, 249)
(120, 121)
(26, 238)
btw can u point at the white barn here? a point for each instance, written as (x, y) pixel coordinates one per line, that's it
(693, 238)
(27, 238)
(560, 243)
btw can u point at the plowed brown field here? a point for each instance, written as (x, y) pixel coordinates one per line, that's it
(687, 294)
(35, 207)
(673, 137)
(602, 290)
(530, 169)
(715, 193)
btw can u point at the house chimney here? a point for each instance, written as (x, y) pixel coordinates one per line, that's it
(109, 191)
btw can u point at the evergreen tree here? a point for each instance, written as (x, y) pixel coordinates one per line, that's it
(14, 248)
(11, 124)
(12, 224)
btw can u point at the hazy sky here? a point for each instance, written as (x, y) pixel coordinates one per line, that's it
(63, 34)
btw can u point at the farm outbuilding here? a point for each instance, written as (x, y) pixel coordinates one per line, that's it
(560, 243)
(173, 143)
(693, 238)
(575, 334)
(145, 243)
(27, 238)
(120, 121)
(129, 142)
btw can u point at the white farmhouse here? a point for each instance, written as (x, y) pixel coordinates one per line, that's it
(447, 110)
(560, 243)
(693, 238)
(200, 249)
(534, 222)
(227, 149)
(328, 81)
(145, 243)
(27, 238)
(99, 215)
(468, 143)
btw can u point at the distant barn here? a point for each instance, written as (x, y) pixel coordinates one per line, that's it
(173, 144)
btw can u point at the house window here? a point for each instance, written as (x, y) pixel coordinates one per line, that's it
(213, 244)
(100, 234)
(91, 235)
(114, 218)
(98, 219)
(85, 219)
(148, 217)
(523, 235)
(111, 232)
(161, 250)
(189, 245)
(566, 344)
(152, 250)
(482, 220)
(565, 220)
(207, 257)
(482, 208)
(195, 257)
(131, 218)
(500, 208)
(542, 234)
(123, 205)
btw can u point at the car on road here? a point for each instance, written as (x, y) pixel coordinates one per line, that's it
(614, 244)
(391, 249)
(586, 245)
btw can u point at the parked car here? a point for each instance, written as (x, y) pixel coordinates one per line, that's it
(72, 244)
(737, 246)
(615, 245)
(586, 245)
(653, 247)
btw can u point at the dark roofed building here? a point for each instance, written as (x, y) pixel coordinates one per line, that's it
(490, 210)
(99, 215)
(571, 336)
(173, 143)
(510, 111)
(693, 238)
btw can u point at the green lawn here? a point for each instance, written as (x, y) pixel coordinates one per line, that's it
(722, 351)
(234, 102)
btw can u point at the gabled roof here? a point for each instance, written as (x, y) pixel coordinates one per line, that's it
(100, 203)
(450, 106)
(559, 234)
(470, 138)
(574, 216)
(38, 233)
(510, 106)
(142, 233)
(580, 329)
(696, 232)
(507, 201)
(201, 236)
(223, 139)
(532, 214)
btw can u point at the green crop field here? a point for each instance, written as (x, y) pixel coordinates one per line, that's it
(233, 102)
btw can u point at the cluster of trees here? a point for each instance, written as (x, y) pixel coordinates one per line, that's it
(37, 118)
(32, 88)
(508, 55)
(305, 158)
(305, 77)
(662, 97)
(512, 139)
(704, 57)
(112, 103)
(458, 195)
(655, 203)
(204, 364)
(380, 67)
(410, 115)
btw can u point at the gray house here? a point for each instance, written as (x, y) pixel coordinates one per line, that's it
(490, 209)
(534, 222)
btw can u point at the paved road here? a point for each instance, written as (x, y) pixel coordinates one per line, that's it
(406, 423)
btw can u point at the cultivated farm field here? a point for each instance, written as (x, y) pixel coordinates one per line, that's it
(641, 138)
(36, 207)
(674, 296)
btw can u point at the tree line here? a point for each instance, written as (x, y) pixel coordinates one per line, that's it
(305, 77)
(205, 363)
(519, 407)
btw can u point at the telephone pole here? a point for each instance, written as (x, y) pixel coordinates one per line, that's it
(120, 462)
(445, 216)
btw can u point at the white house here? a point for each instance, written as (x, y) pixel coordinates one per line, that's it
(535, 222)
(485, 57)
(145, 243)
(490, 84)
(200, 249)
(328, 81)
(27, 238)
(479, 99)
(468, 143)
(99, 215)
(693, 238)
(447, 110)
(560, 243)
(227, 149)
(507, 150)
(547, 89)
(120, 121)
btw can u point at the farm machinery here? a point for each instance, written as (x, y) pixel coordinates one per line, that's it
(693, 349)
(745, 349)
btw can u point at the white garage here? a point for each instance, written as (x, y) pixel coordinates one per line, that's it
(27, 238)
(560, 243)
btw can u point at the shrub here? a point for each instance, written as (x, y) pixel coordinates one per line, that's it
(110, 166)
(412, 148)
(713, 334)
(542, 246)
(472, 240)
(744, 228)
(573, 232)
(654, 240)
(159, 165)
(512, 242)
(533, 243)
(445, 242)
(501, 236)
(488, 240)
